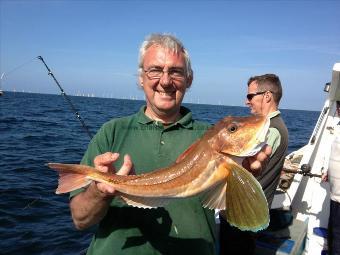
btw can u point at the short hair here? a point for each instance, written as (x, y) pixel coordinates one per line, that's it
(268, 82)
(166, 41)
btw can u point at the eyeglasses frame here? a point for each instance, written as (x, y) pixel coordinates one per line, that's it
(250, 96)
(158, 78)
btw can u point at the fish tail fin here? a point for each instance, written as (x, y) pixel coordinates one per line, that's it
(246, 204)
(70, 177)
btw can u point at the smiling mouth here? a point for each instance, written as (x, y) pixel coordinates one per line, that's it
(170, 93)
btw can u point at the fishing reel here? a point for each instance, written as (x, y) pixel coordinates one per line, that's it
(305, 170)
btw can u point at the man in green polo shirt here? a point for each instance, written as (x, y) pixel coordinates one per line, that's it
(153, 138)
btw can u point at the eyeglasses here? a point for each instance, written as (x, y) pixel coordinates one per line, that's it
(251, 95)
(156, 73)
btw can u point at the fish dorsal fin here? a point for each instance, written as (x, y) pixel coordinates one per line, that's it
(246, 204)
(186, 152)
(215, 198)
(144, 202)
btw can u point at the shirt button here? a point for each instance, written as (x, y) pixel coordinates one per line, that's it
(162, 142)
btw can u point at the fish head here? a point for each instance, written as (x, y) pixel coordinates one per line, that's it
(239, 136)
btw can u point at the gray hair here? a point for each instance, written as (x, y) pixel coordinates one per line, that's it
(268, 82)
(166, 41)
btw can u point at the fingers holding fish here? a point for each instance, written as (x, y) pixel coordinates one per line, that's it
(105, 189)
(261, 157)
(257, 162)
(127, 167)
(104, 162)
(267, 150)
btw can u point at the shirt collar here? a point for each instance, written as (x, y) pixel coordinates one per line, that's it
(273, 114)
(185, 121)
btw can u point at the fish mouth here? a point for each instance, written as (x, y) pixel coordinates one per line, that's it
(259, 141)
(240, 157)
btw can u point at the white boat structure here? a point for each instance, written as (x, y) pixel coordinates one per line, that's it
(303, 196)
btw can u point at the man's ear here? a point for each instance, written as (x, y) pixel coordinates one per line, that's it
(140, 79)
(268, 97)
(189, 80)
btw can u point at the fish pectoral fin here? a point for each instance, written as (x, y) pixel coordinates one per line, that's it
(144, 202)
(246, 204)
(215, 198)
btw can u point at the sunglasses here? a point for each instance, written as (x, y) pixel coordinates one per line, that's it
(251, 95)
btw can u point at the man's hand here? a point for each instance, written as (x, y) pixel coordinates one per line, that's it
(104, 163)
(324, 177)
(256, 163)
(90, 206)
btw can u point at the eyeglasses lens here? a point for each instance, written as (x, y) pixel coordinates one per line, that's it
(251, 95)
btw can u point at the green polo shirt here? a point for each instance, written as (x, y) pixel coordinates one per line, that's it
(181, 227)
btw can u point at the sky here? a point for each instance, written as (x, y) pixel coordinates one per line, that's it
(92, 46)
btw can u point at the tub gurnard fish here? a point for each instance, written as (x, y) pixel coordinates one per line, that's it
(211, 168)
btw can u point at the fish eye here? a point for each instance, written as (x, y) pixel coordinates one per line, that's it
(232, 128)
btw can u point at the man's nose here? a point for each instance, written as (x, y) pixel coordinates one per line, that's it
(247, 102)
(165, 79)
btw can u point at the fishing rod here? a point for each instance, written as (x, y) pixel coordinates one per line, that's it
(68, 100)
(305, 170)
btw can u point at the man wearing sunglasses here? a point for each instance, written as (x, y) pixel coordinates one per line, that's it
(263, 98)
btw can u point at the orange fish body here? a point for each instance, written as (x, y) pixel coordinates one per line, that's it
(209, 167)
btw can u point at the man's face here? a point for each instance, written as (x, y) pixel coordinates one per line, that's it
(256, 102)
(164, 95)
